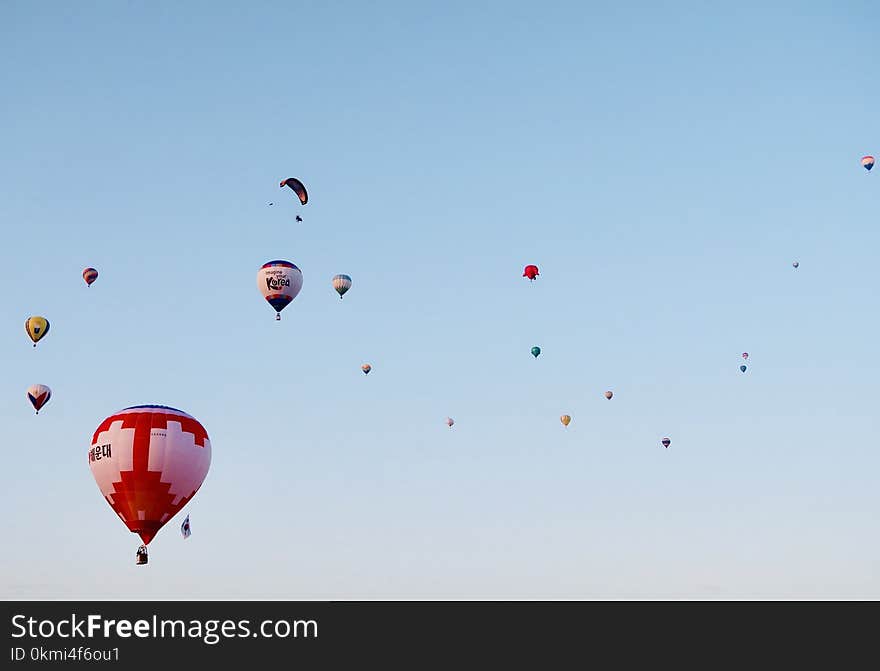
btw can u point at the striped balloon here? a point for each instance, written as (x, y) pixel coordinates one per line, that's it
(341, 283)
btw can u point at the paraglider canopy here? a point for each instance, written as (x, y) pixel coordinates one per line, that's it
(297, 187)
(531, 272)
(868, 162)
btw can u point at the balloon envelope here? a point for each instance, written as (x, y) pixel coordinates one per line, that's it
(90, 275)
(366, 368)
(868, 162)
(148, 462)
(795, 264)
(743, 368)
(279, 282)
(36, 328)
(38, 395)
(531, 272)
(536, 351)
(565, 419)
(341, 283)
(449, 421)
(609, 394)
(665, 442)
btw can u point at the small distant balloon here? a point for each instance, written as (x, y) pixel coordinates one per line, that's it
(745, 355)
(742, 368)
(795, 264)
(665, 442)
(565, 419)
(90, 275)
(36, 328)
(868, 162)
(531, 272)
(341, 283)
(38, 395)
(536, 351)
(449, 421)
(609, 394)
(366, 368)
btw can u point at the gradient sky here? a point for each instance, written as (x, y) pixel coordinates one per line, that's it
(662, 163)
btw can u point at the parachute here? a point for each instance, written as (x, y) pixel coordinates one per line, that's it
(536, 351)
(297, 187)
(742, 368)
(279, 282)
(609, 394)
(148, 462)
(366, 368)
(36, 328)
(868, 162)
(665, 442)
(38, 395)
(90, 275)
(565, 419)
(450, 421)
(531, 272)
(341, 283)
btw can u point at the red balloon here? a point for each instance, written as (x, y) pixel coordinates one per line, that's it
(148, 462)
(531, 272)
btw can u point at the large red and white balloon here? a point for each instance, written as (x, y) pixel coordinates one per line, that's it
(148, 462)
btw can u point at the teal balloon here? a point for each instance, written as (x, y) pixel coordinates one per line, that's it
(742, 368)
(536, 351)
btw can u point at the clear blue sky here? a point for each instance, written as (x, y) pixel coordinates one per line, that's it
(662, 163)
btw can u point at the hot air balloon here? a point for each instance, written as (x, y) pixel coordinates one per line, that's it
(531, 272)
(366, 368)
(36, 328)
(665, 442)
(565, 419)
(90, 275)
(279, 282)
(745, 355)
(742, 368)
(148, 462)
(38, 395)
(536, 351)
(297, 187)
(795, 264)
(449, 421)
(341, 283)
(868, 162)
(609, 394)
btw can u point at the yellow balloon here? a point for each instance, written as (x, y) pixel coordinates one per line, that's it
(565, 419)
(36, 328)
